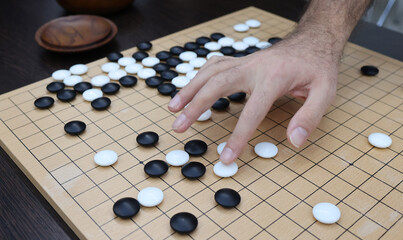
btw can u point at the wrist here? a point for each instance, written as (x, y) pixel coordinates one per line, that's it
(324, 42)
(327, 24)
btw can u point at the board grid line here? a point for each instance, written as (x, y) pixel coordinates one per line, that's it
(57, 181)
(246, 162)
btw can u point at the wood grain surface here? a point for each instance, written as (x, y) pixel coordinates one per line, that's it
(75, 33)
(25, 214)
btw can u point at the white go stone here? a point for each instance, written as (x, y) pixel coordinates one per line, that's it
(78, 69)
(184, 67)
(109, 67)
(263, 45)
(241, 27)
(251, 41)
(240, 46)
(61, 74)
(266, 150)
(180, 81)
(212, 46)
(205, 116)
(124, 61)
(198, 62)
(116, 75)
(191, 74)
(210, 55)
(380, 140)
(133, 68)
(100, 80)
(253, 23)
(187, 56)
(177, 157)
(224, 170)
(226, 41)
(221, 147)
(150, 61)
(146, 73)
(72, 80)
(150, 197)
(105, 158)
(92, 94)
(326, 213)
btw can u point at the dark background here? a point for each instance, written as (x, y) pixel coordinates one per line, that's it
(24, 213)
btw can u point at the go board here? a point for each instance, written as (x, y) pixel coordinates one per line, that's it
(337, 164)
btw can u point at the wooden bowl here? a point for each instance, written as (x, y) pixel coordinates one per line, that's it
(75, 33)
(94, 6)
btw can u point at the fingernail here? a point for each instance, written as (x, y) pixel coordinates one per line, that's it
(174, 103)
(179, 122)
(298, 136)
(227, 156)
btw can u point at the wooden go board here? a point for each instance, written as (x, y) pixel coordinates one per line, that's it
(337, 165)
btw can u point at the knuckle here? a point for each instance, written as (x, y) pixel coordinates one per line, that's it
(216, 59)
(220, 59)
(219, 81)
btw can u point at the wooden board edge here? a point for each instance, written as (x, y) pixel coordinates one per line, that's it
(46, 185)
(96, 62)
(373, 53)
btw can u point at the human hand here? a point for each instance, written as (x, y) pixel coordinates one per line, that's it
(297, 65)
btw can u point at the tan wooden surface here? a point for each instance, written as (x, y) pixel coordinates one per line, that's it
(337, 165)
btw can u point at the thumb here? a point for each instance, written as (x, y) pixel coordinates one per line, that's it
(309, 115)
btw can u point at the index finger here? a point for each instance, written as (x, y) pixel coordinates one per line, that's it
(255, 110)
(186, 94)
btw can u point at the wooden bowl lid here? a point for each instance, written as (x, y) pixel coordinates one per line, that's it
(75, 33)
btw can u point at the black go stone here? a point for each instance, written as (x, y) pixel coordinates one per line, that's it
(101, 103)
(147, 139)
(168, 75)
(128, 81)
(144, 46)
(369, 70)
(193, 170)
(166, 88)
(44, 102)
(173, 61)
(66, 95)
(82, 87)
(239, 54)
(114, 56)
(274, 40)
(74, 127)
(176, 50)
(251, 50)
(183, 222)
(237, 97)
(160, 67)
(163, 55)
(195, 147)
(227, 197)
(110, 88)
(202, 40)
(140, 55)
(156, 168)
(190, 46)
(54, 87)
(228, 51)
(154, 81)
(216, 36)
(201, 52)
(173, 94)
(126, 207)
(221, 104)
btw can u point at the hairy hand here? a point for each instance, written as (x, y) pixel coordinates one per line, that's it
(295, 66)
